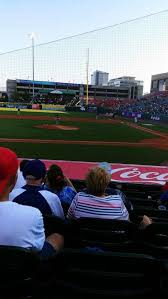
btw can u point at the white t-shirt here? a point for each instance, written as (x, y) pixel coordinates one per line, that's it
(20, 180)
(21, 226)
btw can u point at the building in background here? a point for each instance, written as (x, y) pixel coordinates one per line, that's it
(23, 89)
(3, 95)
(136, 86)
(159, 82)
(99, 78)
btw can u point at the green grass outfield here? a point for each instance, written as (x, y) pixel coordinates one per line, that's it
(13, 111)
(94, 153)
(21, 128)
(157, 126)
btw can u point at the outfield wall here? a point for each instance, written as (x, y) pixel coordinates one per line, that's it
(32, 106)
(146, 116)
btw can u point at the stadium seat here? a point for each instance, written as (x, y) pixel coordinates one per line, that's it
(25, 274)
(78, 184)
(141, 202)
(155, 237)
(102, 275)
(65, 207)
(18, 272)
(155, 214)
(102, 233)
(53, 224)
(132, 190)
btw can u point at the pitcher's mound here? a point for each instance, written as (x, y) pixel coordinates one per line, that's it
(57, 127)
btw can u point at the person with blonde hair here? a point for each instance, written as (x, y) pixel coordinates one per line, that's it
(95, 203)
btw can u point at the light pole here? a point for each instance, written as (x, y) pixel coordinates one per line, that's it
(32, 36)
(87, 78)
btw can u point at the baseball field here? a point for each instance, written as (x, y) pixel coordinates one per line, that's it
(80, 137)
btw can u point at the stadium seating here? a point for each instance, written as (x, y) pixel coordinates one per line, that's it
(25, 274)
(89, 274)
(142, 202)
(155, 214)
(132, 190)
(101, 233)
(53, 224)
(155, 238)
(102, 258)
(18, 272)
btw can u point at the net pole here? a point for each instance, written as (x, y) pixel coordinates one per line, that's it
(87, 78)
(33, 62)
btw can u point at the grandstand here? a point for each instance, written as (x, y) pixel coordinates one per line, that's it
(44, 91)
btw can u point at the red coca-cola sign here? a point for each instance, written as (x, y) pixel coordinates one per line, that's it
(120, 172)
(139, 174)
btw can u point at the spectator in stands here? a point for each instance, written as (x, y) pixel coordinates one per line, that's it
(127, 203)
(97, 112)
(23, 164)
(21, 225)
(111, 191)
(32, 194)
(58, 183)
(96, 203)
(20, 179)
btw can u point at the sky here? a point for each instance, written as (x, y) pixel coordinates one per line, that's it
(54, 19)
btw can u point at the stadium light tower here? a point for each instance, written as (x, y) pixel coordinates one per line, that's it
(87, 78)
(32, 36)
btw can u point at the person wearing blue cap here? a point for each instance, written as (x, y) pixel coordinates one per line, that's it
(33, 194)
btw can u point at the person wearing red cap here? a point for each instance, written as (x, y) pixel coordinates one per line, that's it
(21, 225)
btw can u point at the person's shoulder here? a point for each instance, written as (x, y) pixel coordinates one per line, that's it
(69, 189)
(16, 192)
(26, 210)
(48, 194)
(116, 196)
(84, 194)
(112, 191)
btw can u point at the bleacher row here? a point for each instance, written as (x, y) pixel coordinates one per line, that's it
(101, 258)
(110, 102)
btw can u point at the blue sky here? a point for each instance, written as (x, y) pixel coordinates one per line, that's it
(54, 19)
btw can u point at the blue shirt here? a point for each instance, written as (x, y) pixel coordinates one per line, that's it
(164, 196)
(65, 195)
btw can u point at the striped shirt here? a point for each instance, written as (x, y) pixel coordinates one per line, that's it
(108, 207)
